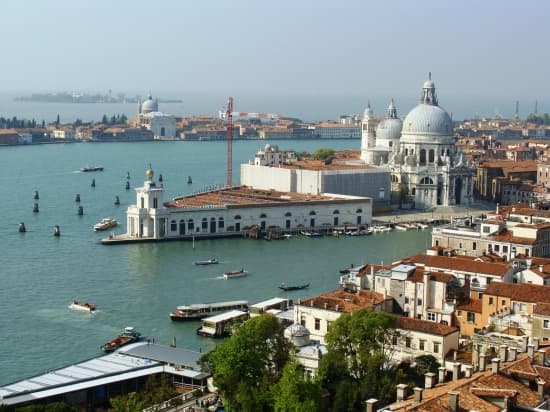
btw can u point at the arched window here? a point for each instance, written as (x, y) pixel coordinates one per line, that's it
(190, 224)
(359, 211)
(221, 223)
(263, 216)
(237, 217)
(422, 156)
(426, 181)
(413, 191)
(394, 179)
(336, 212)
(312, 213)
(431, 156)
(288, 214)
(173, 226)
(204, 223)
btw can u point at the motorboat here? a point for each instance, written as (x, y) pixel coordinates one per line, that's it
(92, 169)
(129, 335)
(211, 261)
(105, 223)
(83, 306)
(235, 274)
(286, 288)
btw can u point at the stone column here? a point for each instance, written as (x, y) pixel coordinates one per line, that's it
(512, 353)
(429, 380)
(495, 363)
(502, 354)
(456, 371)
(468, 371)
(418, 394)
(482, 362)
(441, 376)
(453, 401)
(371, 405)
(401, 392)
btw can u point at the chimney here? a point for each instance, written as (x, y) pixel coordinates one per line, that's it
(512, 353)
(442, 372)
(401, 392)
(482, 362)
(495, 363)
(468, 371)
(503, 350)
(456, 371)
(453, 401)
(541, 268)
(429, 380)
(536, 344)
(372, 405)
(541, 357)
(418, 394)
(530, 351)
(540, 389)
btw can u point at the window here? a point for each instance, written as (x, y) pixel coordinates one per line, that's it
(431, 316)
(421, 344)
(317, 324)
(474, 245)
(436, 347)
(173, 226)
(155, 203)
(381, 193)
(394, 340)
(497, 248)
(303, 320)
(190, 224)
(263, 216)
(221, 223)
(522, 307)
(490, 301)
(419, 302)
(503, 302)
(312, 213)
(470, 317)
(407, 342)
(406, 299)
(504, 249)
(142, 202)
(204, 223)
(546, 323)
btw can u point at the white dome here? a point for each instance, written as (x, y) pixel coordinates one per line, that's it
(297, 334)
(149, 105)
(389, 129)
(428, 120)
(368, 113)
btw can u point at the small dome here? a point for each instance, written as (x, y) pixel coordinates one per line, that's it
(149, 105)
(368, 113)
(389, 129)
(149, 173)
(429, 84)
(297, 334)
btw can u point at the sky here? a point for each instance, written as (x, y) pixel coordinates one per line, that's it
(474, 49)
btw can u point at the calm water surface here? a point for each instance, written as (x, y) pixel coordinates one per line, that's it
(137, 285)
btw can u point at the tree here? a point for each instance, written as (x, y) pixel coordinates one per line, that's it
(358, 364)
(50, 407)
(249, 363)
(294, 393)
(104, 119)
(322, 153)
(127, 403)
(57, 120)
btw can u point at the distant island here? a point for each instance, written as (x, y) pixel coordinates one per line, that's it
(74, 97)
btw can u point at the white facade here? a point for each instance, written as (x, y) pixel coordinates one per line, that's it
(163, 126)
(151, 218)
(337, 132)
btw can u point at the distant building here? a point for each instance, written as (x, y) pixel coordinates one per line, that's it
(162, 125)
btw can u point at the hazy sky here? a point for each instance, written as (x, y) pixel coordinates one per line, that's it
(344, 47)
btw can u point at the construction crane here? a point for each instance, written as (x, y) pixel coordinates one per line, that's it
(229, 127)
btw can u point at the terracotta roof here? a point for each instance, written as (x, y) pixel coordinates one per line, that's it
(418, 276)
(345, 302)
(424, 326)
(459, 263)
(472, 305)
(521, 292)
(542, 309)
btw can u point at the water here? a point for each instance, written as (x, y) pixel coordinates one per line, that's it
(137, 285)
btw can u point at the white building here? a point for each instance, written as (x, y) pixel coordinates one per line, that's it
(234, 211)
(427, 169)
(162, 125)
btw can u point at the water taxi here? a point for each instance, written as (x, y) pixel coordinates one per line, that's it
(105, 223)
(129, 335)
(91, 169)
(286, 287)
(221, 325)
(212, 261)
(235, 274)
(84, 306)
(198, 311)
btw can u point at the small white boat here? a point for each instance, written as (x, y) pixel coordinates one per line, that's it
(212, 261)
(422, 225)
(84, 306)
(235, 274)
(105, 223)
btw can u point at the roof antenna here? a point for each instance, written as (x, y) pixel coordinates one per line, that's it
(429, 75)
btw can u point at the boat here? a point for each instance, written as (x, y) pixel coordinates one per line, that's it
(310, 234)
(129, 335)
(220, 326)
(84, 306)
(92, 169)
(105, 223)
(211, 261)
(422, 225)
(198, 311)
(235, 274)
(286, 288)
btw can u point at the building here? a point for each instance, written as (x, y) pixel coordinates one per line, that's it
(162, 125)
(344, 174)
(65, 133)
(235, 211)
(427, 169)
(328, 130)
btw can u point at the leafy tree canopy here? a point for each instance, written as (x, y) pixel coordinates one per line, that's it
(322, 153)
(294, 393)
(249, 363)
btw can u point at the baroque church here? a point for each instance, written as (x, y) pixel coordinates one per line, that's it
(427, 170)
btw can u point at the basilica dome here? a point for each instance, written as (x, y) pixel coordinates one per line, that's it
(390, 127)
(149, 105)
(427, 122)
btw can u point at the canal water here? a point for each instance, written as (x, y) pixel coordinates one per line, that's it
(138, 285)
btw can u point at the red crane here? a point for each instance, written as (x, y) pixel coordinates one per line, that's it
(229, 127)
